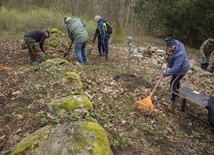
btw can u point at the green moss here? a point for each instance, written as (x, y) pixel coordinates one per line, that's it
(101, 143)
(53, 43)
(71, 103)
(55, 30)
(56, 61)
(29, 142)
(74, 79)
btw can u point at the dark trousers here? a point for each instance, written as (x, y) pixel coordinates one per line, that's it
(175, 84)
(100, 47)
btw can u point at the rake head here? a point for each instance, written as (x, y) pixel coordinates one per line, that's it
(5, 68)
(145, 105)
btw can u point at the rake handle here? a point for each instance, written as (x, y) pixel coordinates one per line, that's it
(158, 83)
(156, 86)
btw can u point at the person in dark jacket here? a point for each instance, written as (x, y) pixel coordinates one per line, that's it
(32, 39)
(78, 34)
(99, 44)
(178, 64)
(104, 36)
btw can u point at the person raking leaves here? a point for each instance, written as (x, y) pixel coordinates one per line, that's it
(32, 39)
(178, 64)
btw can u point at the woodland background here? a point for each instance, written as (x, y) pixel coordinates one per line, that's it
(190, 21)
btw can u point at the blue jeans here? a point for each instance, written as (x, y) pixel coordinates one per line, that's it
(106, 39)
(80, 51)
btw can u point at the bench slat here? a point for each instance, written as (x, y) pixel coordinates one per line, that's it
(193, 96)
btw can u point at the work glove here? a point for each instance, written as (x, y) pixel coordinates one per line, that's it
(102, 41)
(34, 55)
(43, 50)
(161, 76)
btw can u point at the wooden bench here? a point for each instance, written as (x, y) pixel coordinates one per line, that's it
(198, 98)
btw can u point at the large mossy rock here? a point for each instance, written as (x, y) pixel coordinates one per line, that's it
(70, 103)
(77, 138)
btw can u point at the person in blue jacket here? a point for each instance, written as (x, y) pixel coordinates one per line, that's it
(178, 64)
(103, 34)
(100, 46)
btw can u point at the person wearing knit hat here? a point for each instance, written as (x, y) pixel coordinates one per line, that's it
(178, 64)
(207, 55)
(78, 35)
(170, 41)
(104, 36)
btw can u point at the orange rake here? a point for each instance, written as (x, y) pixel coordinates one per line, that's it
(146, 105)
(5, 68)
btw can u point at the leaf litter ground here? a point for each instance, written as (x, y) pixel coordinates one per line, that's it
(25, 91)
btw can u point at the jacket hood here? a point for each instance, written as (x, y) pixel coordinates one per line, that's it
(179, 47)
(71, 21)
(103, 20)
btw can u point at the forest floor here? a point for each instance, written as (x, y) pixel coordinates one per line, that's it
(25, 91)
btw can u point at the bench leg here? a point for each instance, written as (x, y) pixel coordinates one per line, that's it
(183, 105)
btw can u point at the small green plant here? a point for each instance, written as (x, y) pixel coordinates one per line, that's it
(44, 119)
(96, 104)
(197, 149)
(119, 141)
(57, 119)
(195, 135)
(90, 117)
(143, 137)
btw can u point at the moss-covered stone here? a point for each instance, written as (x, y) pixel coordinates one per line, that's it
(100, 138)
(75, 138)
(55, 30)
(73, 79)
(56, 61)
(30, 142)
(53, 43)
(70, 103)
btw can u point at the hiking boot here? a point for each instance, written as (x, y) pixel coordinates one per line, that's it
(210, 70)
(36, 63)
(106, 57)
(173, 101)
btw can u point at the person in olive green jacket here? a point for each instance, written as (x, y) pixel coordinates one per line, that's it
(206, 51)
(78, 35)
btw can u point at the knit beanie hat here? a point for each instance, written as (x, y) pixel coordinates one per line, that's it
(66, 19)
(170, 41)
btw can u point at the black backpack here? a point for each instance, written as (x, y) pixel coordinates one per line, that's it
(108, 28)
(210, 107)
